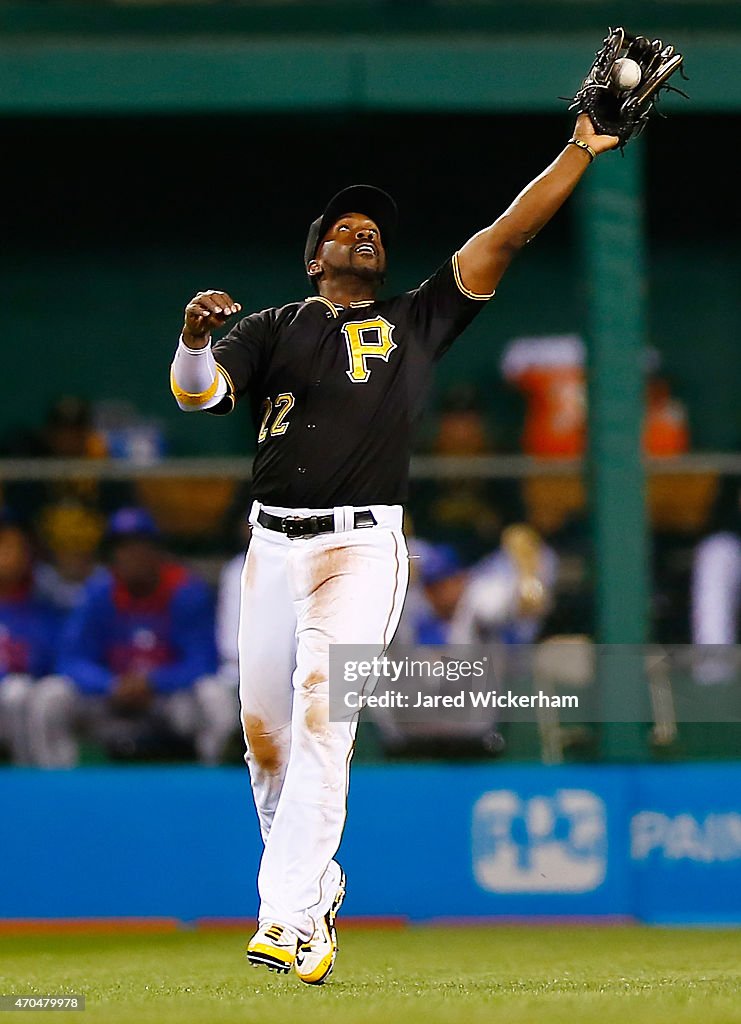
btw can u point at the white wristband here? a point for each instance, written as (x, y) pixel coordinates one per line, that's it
(194, 378)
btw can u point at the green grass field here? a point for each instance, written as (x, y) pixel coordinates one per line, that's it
(518, 975)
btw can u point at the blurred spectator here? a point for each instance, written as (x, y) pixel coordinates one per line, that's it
(665, 428)
(549, 372)
(28, 633)
(436, 585)
(137, 660)
(509, 593)
(716, 587)
(70, 535)
(467, 512)
(67, 433)
(227, 609)
(227, 618)
(227, 624)
(503, 598)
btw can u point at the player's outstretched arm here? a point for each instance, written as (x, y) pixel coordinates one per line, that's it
(485, 257)
(194, 378)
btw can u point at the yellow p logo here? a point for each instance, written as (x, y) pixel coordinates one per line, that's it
(366, 339)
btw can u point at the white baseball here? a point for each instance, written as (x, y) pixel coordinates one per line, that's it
(626, 73)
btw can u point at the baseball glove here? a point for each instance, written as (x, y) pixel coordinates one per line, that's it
(624, 111)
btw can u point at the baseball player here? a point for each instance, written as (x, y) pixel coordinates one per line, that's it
(334, 382)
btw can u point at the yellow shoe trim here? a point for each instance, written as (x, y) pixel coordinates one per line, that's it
(320, 971)
(279, 955)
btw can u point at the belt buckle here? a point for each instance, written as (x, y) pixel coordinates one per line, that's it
(290, 526)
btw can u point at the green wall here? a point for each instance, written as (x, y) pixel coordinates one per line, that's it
(499, 55)
(383, 18)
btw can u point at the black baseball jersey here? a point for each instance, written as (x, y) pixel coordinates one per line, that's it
(335, 391)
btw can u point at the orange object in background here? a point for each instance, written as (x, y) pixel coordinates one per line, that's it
(549, 372)
(555, 425)
(677, 502)
(184, 507)
(681, 502)
(665, 428)
(552, 501)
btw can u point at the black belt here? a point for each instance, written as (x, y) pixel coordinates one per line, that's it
(310, 526)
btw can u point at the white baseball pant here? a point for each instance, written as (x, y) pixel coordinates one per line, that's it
(298, 597)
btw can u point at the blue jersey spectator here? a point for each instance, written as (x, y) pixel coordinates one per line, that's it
(501, 599)
(439, 581)
(28, 633)
(140, 647)
(165, 635)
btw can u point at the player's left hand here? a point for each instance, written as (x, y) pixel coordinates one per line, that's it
(585, 132)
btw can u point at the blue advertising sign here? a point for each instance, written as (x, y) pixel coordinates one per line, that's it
(685, 843)
(481, 840)
(422, 842)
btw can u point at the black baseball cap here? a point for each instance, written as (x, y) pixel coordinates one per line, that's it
(367, 199)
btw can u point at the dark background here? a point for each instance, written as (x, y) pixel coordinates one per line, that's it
(112, 223)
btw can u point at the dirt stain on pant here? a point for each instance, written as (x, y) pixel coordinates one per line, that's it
(327, 565)
(261, 744)
(317, 706)
(326, 572)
